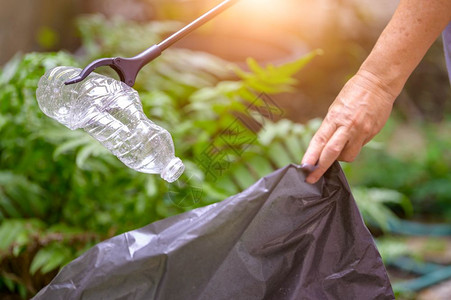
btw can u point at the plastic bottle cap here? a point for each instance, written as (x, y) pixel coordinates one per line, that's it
(173, 170)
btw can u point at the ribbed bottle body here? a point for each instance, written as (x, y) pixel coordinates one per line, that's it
(111, 112)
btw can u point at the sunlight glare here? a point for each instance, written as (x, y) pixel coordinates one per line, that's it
(259, 6)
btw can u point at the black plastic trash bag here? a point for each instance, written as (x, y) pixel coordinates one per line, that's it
(279, 239)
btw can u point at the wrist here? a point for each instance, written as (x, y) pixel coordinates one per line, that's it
(391, 77)
(385, 88)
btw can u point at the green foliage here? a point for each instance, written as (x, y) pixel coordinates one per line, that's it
(421, 172)
(373, 202)
(32, 251)
(103, 37)
(50, 258)
(19, 187)
(273, 79)
(61, 191)
(16, 233)
(391, 248)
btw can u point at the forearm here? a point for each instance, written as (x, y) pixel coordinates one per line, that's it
(364, 104)
(415, 25)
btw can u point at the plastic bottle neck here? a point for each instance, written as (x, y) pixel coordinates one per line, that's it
(173, 170)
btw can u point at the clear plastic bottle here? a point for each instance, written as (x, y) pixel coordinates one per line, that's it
(111, 112)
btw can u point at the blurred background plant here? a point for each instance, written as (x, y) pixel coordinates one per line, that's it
(233, 121)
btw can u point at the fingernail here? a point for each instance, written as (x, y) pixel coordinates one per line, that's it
(308, 167)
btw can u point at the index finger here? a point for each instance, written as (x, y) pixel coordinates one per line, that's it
(329, 154)
(318, 142)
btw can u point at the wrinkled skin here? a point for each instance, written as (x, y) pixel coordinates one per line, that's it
(356, 116)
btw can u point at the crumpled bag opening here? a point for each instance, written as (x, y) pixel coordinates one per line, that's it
(279, 239)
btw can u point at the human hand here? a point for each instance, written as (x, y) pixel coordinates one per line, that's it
(358, 113)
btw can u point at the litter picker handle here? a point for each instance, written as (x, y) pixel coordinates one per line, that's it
(128, 68)
(196, 24)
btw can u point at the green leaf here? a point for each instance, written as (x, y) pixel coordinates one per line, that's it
(254, 66)
(294, 147)
(9, 283)
(7, 205)
(372, 204)
(10, 68)
(227, 185)
(260, 165)
(9, 230)
(391, 248)
(72, 143)
(279, 154)
(242, 177)
(22, 291)
(18, 231)
(292, 68)
(273, 79)
(92, 149)
(20, 197)
(50, 258)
